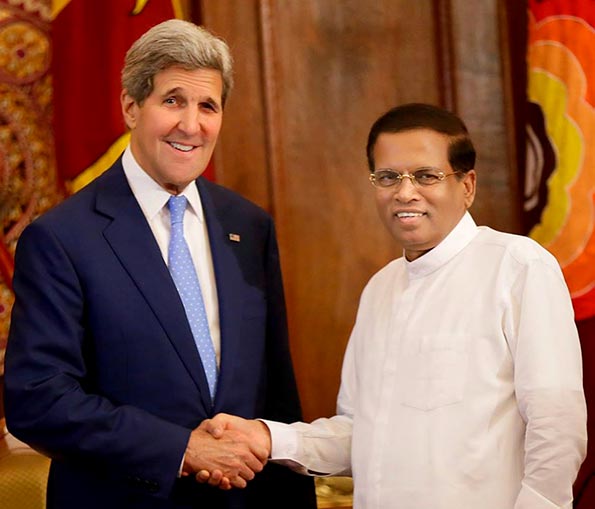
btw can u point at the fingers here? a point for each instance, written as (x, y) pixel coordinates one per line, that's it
(252, 447)
(238, 482)
(225, 484)
(261, 445)
(216, 479)
(254, 465)
(257, 434)
(225, 462)
(227, 451)
(202, 476)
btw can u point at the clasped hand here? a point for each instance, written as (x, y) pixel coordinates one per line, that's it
(227, 451)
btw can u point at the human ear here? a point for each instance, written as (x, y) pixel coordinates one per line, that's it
(469, 181)
(129, 109)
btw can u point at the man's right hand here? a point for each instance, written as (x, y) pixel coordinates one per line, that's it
(255, 433)
(232, 456)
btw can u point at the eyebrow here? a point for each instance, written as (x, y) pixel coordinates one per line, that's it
(181, 91)
(172, 91)
(410, 168)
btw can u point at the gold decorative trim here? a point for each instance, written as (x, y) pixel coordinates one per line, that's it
(334, 492)
(57, 7)
(98, 167)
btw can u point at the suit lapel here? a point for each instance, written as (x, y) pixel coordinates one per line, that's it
(229, 280)
(132, 241)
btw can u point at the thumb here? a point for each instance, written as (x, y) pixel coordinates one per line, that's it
(211, 427)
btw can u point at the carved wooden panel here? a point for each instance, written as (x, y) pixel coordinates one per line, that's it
(312, 76)
(241, 156)
(482, 94)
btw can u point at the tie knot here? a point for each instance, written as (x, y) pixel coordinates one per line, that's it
(177, 206)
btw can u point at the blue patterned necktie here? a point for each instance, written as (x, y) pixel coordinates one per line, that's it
(184, 275)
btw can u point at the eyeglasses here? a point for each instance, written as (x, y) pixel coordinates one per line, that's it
(426, 176)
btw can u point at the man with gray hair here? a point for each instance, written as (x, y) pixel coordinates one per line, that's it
(150, 301)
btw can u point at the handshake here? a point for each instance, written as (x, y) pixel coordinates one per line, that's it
(227, 451)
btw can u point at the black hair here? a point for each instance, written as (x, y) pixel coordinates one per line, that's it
(407, 117)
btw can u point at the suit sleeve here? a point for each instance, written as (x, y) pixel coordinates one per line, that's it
(49, 395)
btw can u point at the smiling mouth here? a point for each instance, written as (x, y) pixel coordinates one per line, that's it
(181, 147)
(401, 215)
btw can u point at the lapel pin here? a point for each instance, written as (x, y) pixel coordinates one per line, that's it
(234, 237)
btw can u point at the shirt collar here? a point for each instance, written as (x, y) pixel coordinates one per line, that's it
(453, 243)
(150, 195)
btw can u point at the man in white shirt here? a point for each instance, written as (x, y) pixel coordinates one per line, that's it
(462, 380)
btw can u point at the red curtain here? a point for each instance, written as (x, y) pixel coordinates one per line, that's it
(90, 39)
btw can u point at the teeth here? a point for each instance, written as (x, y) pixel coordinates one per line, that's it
(409, 214)
(179, 146)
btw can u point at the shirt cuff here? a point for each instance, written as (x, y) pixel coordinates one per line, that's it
(284, 440)
(181, 466)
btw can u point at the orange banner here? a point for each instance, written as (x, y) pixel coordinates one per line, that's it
(560, 181)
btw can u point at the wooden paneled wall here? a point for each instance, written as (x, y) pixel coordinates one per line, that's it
(311, 77)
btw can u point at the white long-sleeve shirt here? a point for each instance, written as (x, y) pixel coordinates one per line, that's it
(461, 384)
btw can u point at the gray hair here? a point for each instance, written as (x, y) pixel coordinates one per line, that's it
(174, 43)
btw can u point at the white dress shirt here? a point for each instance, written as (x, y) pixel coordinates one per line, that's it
(152, 199)
(461, 385)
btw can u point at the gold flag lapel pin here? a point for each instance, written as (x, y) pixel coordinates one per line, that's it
(234, 237)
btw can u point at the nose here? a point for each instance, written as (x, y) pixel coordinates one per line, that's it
(405, 190)
(190, 120)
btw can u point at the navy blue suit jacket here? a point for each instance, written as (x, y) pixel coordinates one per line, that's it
(102, 373)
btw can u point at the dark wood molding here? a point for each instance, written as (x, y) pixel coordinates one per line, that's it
(271, 81)
(445, 54)
(513, 22)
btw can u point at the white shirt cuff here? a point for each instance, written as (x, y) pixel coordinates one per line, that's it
(284, 440)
